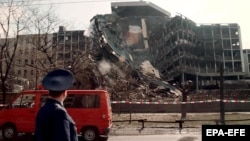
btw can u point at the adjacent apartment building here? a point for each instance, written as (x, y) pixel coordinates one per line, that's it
(31, 59)
(38, 54)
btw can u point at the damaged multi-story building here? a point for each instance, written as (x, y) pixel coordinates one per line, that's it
(139, 51)
(142, 34)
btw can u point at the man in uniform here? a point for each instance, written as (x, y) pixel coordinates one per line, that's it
(53, 123)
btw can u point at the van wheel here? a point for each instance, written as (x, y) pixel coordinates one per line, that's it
(9, 132)
(89, 134)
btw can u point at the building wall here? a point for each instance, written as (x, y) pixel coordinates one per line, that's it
(182, 46)
(223, 44)
(33, 51)
(30, 62)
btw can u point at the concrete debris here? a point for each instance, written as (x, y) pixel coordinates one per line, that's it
(123, 55)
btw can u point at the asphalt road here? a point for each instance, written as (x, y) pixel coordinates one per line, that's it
(162, 137)
(123, 133)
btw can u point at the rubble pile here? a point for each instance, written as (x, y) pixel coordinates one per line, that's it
(125, 83)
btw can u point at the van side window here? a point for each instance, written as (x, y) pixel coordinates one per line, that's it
(82, 101)
(24, 101)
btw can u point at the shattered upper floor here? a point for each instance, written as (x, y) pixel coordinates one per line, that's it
(172, 45)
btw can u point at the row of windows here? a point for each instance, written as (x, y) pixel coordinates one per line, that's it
(72, 101)
(30, 62)
(25, 73)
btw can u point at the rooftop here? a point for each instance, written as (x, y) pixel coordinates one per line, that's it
(140, 8)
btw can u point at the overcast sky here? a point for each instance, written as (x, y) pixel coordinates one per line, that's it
(79, 12)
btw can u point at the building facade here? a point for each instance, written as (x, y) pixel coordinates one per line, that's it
(246, 54)
(37, 54)
(28, 59)
(66, 45)
(31, 59)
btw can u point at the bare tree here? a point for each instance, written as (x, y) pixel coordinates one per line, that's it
(46, 45)
(42, 24)
(13, 21)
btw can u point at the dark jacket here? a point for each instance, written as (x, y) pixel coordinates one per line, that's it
(53, 123)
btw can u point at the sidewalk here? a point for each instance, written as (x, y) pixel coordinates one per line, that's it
(152, 131)
(167, 125)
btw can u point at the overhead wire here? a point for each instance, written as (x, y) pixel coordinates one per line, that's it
(70, 2)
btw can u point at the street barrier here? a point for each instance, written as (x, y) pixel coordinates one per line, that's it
(180, 102)
(199, 106)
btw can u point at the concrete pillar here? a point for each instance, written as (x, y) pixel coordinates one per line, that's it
(211, 80)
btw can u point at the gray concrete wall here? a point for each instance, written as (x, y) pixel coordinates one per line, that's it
(176, 108)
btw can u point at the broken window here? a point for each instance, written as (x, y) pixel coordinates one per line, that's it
(225, 32)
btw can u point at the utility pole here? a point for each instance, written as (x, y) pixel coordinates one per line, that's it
(222, 110)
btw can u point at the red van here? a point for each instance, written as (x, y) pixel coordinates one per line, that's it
(90, 109)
